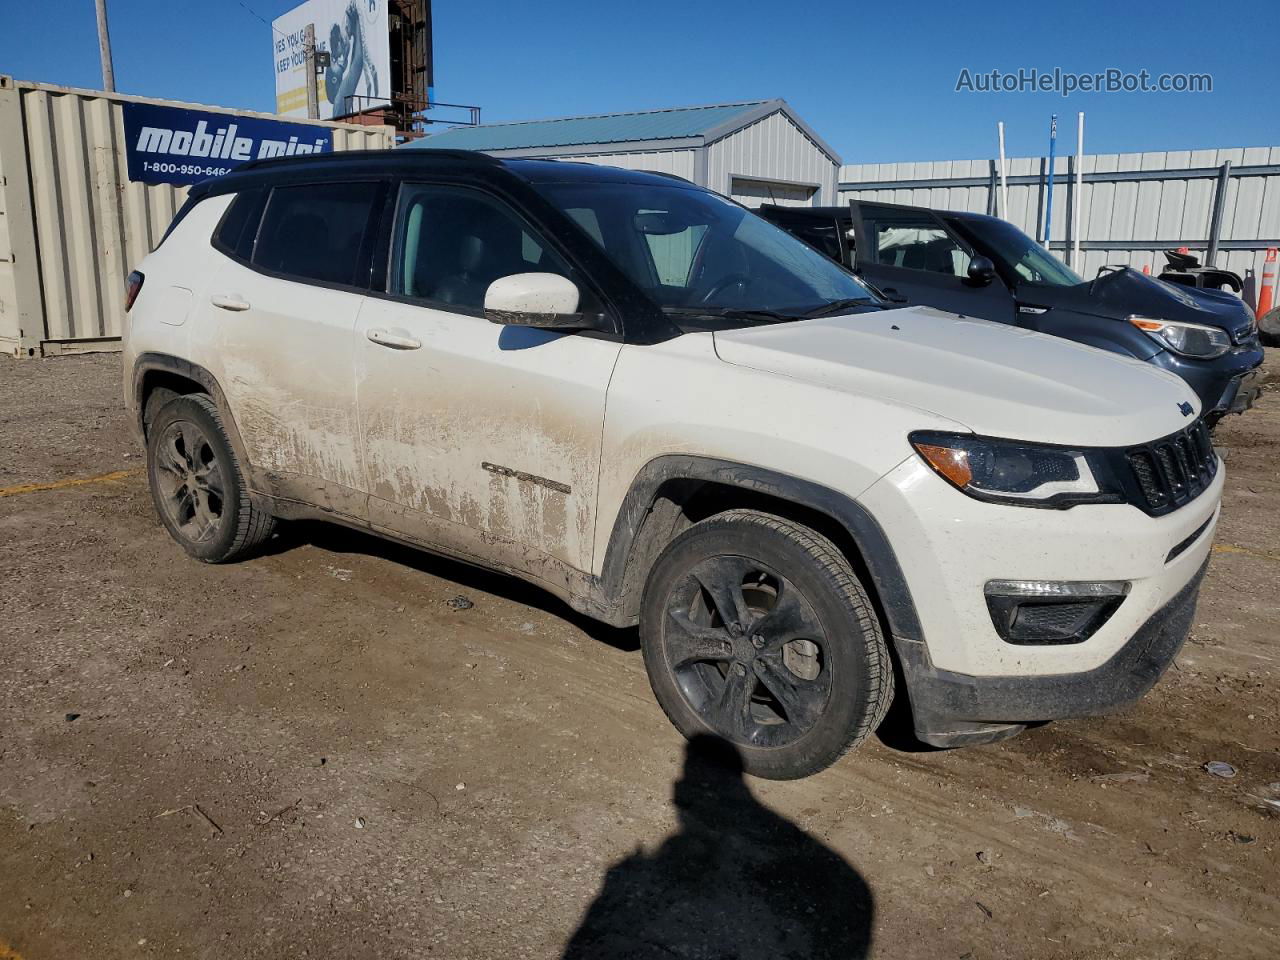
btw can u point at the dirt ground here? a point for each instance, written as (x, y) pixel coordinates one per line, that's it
(313, 754)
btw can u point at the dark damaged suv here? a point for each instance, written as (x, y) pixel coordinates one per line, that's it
(982, 266)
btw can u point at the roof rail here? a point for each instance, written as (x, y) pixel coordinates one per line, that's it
(351, 156)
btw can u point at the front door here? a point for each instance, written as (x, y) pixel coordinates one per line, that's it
(913, 258)
(284, 304)
(476, 436)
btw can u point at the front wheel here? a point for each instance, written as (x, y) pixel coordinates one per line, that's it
(757, 630)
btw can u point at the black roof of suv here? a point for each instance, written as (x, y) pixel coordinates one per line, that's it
(410, 162)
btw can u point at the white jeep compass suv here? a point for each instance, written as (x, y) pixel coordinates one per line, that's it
(663, 409)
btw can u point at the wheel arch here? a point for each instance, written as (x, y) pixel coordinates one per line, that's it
(671, 493)
(153, 372)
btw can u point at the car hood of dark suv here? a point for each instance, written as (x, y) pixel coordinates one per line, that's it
(1127, 293)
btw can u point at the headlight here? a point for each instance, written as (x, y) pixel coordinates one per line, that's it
(1008, 471)
(1188, 339)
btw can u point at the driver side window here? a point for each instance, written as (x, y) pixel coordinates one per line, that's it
(917, 244)
(450, 243)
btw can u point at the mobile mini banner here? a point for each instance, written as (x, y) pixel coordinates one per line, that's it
(182, 147)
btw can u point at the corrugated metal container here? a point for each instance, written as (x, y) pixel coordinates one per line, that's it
(1132, 205)
(72, 224)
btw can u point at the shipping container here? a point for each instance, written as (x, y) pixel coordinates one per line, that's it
(73, 224)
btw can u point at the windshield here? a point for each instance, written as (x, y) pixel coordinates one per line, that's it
(1012, 249)
(695, 252)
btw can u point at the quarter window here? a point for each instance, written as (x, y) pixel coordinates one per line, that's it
(315, 231)
(239, 224)
(451, 243)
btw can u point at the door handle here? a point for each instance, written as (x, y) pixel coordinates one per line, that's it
(229, 301)
(394, 340)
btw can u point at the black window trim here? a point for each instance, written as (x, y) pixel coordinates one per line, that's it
(365, 257)
(380, 280)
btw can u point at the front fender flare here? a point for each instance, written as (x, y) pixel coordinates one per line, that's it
(857, 521)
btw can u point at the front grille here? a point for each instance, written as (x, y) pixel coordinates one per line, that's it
(1174, 470)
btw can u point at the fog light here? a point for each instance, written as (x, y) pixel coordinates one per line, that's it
(1031, 612)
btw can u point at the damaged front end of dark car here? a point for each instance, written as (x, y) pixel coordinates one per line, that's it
(1207, 337)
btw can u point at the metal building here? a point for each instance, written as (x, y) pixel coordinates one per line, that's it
(72, 223)
(756, 152)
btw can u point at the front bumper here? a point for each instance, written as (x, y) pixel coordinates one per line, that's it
(1243, 392)
(1224, 384)
(951, 709)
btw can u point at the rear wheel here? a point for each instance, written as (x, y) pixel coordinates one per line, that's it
(197, 484)
(757, 630)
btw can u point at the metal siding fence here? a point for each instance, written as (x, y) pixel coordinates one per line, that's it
(1137, 219)
(772, 148)
(90, 223)
(679, 162)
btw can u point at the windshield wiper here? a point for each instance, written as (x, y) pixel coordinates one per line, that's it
(733, 313)
(840, 306)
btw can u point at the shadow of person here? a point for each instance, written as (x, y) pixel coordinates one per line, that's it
(736, 881)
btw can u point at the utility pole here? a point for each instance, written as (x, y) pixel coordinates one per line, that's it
(313, 96)
(104, 47)
(1048, 210)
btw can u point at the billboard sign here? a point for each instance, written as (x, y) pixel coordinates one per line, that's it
(355, 34)
(182, 147)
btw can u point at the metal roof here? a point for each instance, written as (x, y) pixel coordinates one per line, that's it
(705, 123)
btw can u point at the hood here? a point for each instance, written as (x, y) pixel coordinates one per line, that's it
(997, 380)
(1125, 293)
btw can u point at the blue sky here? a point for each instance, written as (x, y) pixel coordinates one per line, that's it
(876, 80)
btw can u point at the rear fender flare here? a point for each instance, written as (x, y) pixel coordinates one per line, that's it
(148, 363)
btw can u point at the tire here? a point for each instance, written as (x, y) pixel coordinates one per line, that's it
(802, 675)
(197, 484)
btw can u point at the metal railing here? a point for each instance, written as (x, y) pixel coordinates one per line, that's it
(411, 117)
(1222, 174)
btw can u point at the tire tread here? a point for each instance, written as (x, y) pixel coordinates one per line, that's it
(832, 561)
(253, 525)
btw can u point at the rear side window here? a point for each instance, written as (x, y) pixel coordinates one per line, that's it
(824, 235)
(313, 231)
(239, 224)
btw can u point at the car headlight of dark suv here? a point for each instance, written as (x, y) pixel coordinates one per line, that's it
(1188, 339)
(1010, 471)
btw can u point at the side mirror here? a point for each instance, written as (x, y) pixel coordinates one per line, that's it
(981, 271)
(545, 300)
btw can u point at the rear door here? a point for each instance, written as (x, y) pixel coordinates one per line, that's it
(912, 256)
(282, 310)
